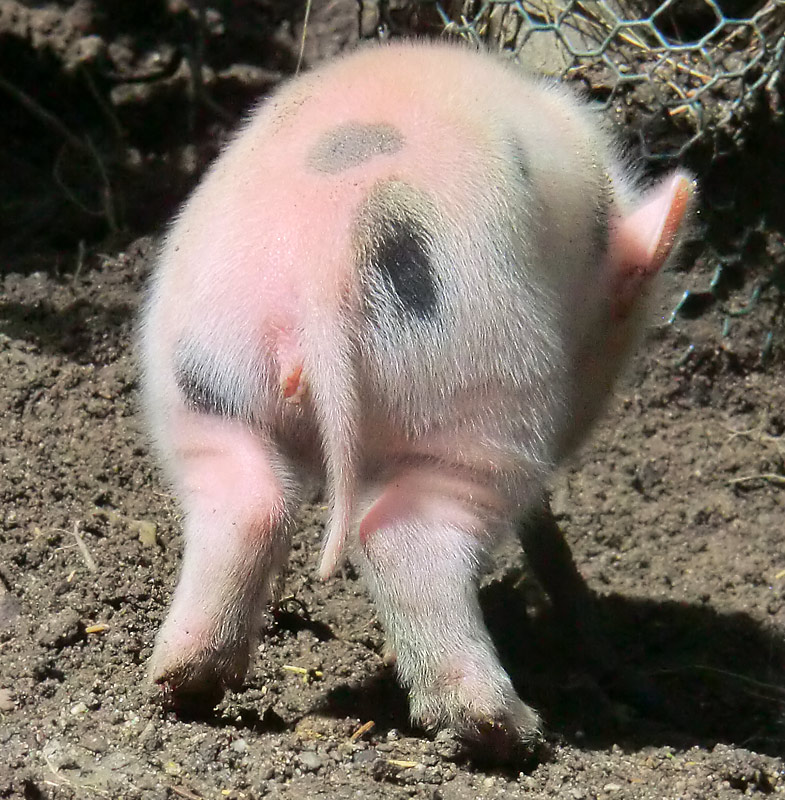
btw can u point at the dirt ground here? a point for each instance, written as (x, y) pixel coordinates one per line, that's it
(675, 512)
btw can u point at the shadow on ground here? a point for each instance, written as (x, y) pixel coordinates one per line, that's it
(703, 677)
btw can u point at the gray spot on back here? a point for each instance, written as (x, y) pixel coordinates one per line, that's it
(352, 144)
(395, 246)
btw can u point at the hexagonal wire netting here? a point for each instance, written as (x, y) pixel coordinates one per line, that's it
(686, 69)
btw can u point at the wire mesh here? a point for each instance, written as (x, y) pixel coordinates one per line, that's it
(680, 72)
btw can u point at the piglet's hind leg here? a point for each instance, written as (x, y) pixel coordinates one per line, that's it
(420, 550)
(238, 497)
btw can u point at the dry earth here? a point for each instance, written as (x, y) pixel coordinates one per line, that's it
(675, 512)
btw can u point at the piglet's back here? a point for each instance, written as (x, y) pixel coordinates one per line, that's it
(272, 230)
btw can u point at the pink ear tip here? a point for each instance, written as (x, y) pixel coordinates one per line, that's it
(680, 192)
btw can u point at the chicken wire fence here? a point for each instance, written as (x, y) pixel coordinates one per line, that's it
(679, 73)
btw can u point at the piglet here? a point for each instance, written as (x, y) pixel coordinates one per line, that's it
(414, 273)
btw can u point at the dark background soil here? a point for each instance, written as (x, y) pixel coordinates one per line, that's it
(675, 510)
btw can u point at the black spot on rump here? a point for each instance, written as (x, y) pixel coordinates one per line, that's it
(199, 383)
(402, 258)
(196, 391)
(395, 235)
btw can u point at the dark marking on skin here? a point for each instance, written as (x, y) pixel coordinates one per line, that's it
(195, 387)
(200, 382)
(402, 258)
(396, 245)
(352, 144)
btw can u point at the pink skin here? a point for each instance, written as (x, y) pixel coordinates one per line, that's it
(239, 497)
(644, 240)
(429, 496)
(266, 360)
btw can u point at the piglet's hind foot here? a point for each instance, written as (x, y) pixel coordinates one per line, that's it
(194, 680)
(484, 711)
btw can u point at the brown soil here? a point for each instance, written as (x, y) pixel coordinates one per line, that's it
(675, 512)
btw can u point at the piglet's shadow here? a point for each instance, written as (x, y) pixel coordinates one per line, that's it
(292, 617)
(687, 675)
(692, 676)
(243, 716)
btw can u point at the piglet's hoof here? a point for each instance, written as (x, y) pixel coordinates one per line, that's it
(195, 688)
(188, 703)
(494, 742)
(498, 741)
(510, 737)
(500, 734)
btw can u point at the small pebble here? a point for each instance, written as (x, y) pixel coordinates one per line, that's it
(365, 756)
(6, 701)
(311, 761)
(95, 743)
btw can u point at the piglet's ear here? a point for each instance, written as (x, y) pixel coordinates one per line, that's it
(642, 241)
